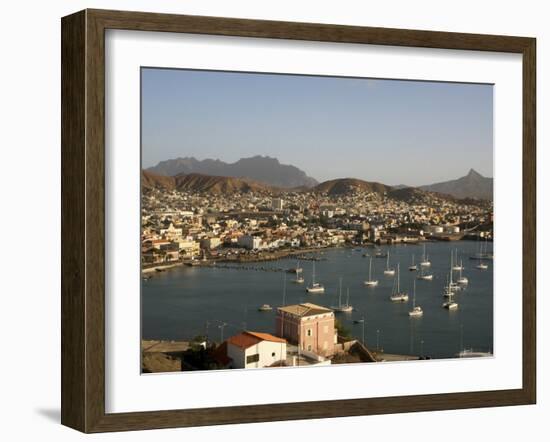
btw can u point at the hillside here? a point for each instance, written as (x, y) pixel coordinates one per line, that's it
(344, 186)
(473, 185)
(203, 184)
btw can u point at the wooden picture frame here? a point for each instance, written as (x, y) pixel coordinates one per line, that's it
(83, 220)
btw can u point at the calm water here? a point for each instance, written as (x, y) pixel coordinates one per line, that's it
(178, 304)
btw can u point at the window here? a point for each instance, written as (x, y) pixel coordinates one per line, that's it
(273, 354)
(309, 348)
(252, 358)
(309, 332)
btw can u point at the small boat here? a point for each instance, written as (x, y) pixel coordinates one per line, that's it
(470, 353)
(265, 308)
(425, 259)
(315, 287)
(380, 254)
(462, 280)
(481, 265)
(342, 308)
(416, 310)
(358, 321)
(389, 271)
(425, 276)
(450, 304)
(398, 295)
(299, 278)
(371, 282)
(455, 266)
(413, 267)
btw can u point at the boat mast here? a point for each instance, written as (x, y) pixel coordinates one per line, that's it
(397, 277)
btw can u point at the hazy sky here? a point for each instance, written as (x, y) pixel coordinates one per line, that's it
(394, 132)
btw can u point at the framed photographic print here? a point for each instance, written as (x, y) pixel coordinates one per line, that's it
(270, 220)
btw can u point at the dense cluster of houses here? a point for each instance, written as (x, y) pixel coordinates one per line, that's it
(180, 225)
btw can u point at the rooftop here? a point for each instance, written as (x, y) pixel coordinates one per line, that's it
(248, 339)
(305, 309)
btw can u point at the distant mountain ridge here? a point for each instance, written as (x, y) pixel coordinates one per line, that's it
(258, 168)
(216, 185)
(473, 185)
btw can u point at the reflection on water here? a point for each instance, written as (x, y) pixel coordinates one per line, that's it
(187, 301)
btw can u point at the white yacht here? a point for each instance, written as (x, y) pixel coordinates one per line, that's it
(299, 275)
(470, 353)
(453, 286)
(315, 287)
(456, 266)
(425, 259)
(425, 276)
(481, 265)
(450, 304)
(398, 295)
(413, 267)
(389, 271)
(265, 308)
(416, 310)
(371, 282)
(462, 280)
(343, 308)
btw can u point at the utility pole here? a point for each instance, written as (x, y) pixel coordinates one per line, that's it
(221, 327)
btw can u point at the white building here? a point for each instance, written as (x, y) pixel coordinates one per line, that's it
(255, 350)
(250, 242)
(277, 203)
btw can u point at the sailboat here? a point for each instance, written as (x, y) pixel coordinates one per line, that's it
(457, 267)
(450, 304)
(481, 265)
(299, 274)
(425, 261)
(398, 295)
(470, 352)
(371, 282)
(462, 279)
(453, 286)
(315, 287)
(343, 308)
(388, 271)
(416, 310)
(413, 266)
(425, 276)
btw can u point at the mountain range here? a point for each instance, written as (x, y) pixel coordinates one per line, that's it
(258, 168)
(473, 185)
(266, 174)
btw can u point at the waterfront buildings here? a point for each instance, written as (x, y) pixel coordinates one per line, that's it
(309, 326)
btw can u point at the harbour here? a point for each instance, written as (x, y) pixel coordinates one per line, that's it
(221, 300)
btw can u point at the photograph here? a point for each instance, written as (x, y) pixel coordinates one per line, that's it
(308, 221)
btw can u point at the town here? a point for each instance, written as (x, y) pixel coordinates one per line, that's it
(193, 228)
(187, 227)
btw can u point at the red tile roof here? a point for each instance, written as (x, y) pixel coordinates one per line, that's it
(248, 339)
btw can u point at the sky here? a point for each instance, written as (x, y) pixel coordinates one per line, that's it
(390, 131)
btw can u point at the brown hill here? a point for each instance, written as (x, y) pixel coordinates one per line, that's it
(219, 184)
(344, 186)
(203, 183)
(151, 180)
